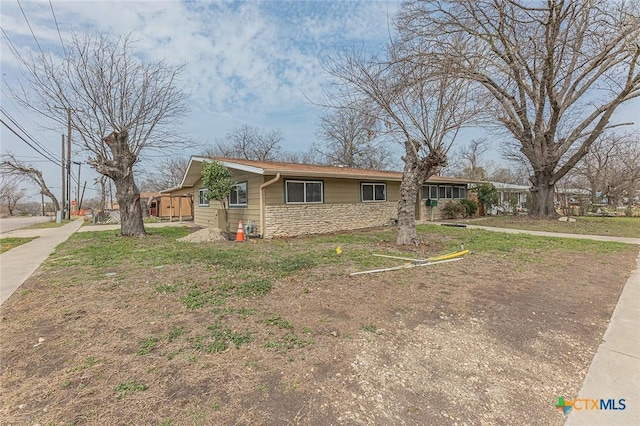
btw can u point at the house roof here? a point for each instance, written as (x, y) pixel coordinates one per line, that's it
(510, 186)
(193, 174)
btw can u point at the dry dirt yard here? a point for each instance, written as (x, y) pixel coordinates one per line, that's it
(114, 331)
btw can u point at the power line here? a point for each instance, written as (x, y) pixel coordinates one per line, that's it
(56, 21)
(57, 163)
(49, 155)
(29, 25)
(22, 129)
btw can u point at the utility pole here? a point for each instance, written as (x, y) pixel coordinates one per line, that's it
(64, 185)
(78, 190)
(69, 162)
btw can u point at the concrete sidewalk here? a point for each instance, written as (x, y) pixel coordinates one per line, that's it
(17, 264)
(615, 368)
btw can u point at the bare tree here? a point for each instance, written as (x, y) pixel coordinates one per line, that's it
(118, 106)
(11, 166)
(11, 192)
(250, 143)
(350, 138)
(419, 105)
(557, 71)
(611, 168)
(470, 161)
(168, 173)
(304, 157)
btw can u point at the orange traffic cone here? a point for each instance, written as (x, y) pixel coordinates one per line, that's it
(240, 233)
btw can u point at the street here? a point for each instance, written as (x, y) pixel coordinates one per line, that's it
(10, 223)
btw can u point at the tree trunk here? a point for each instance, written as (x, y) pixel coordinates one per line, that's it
(416, 170)
(407, 234)
(120, 170)
(128, 195)
(542, 195)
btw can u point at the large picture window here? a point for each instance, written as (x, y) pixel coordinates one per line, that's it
(238, 195)
(302, 191)
(203, 200)
(373, 191)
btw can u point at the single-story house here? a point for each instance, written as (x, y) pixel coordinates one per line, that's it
(285, 199)
(510, 196)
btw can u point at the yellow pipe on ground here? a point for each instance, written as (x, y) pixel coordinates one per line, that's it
(449, 256)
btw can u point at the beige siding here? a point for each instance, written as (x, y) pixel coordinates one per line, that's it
(251, 213)
(336, 191)
(206, 217)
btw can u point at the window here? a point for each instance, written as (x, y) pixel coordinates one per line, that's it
(446, 191)
(238, 195)
(430, 191)
(203, 201)
(299, 191)
(459, 192)
(373, 192)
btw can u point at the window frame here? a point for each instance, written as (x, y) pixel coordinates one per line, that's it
(201, 192)
(373, 193)
(246, 191)
(459, 189)
(447, 189)
(304, 191)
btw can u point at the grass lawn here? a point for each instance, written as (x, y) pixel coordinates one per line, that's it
(7, 244)
(613, 226)
(114, 330)
(51, 224)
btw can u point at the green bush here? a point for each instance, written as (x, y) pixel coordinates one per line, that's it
(470, 206)
(453, 210)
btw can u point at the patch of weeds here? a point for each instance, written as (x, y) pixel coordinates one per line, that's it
(89, 362)
(289, 341)
(197, 298)
(219, 338)
(165, 288)
(275, 320)
(175, 333)
(127, 388)
(307, 330)
(171, 355)
(25, 292)
(262, 387)
(192, 359)
(167, 422)
(147, 346)
(244, 313)
(66, 383)
(215, 406)
(258, 287)
(369, 329)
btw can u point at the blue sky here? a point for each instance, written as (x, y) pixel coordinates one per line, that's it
(255, 63)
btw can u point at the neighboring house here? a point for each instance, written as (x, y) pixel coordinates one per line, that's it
(165, 205)
(286, 199)
(510, 197)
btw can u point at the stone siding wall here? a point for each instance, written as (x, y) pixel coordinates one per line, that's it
(301, 219)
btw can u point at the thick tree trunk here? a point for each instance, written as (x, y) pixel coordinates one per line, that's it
(542, 195)
(120, 170)
(416, 170)
(128, 195)
(409, 187)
